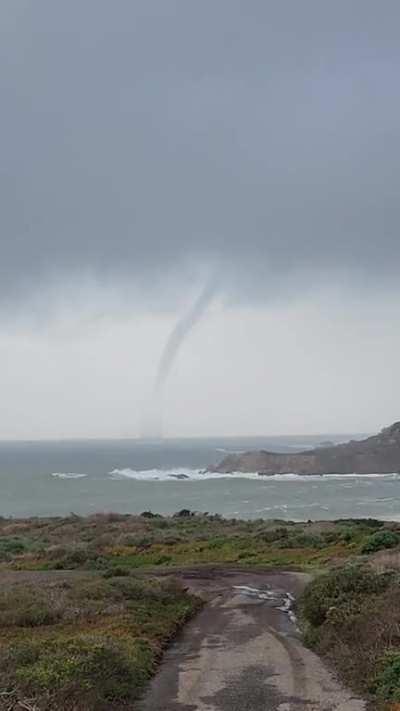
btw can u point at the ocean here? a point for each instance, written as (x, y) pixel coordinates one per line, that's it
(131, 476)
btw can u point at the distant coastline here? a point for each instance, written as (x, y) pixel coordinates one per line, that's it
(379, 454)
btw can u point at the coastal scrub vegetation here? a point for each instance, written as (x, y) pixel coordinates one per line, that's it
(86, 607)
(351, 616)
(105, 541)
(83, 642)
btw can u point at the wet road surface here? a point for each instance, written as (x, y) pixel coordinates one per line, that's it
(242, 652)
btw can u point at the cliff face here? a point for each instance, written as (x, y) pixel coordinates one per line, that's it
(379, 454)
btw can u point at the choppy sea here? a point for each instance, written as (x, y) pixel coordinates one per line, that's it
(130, 476)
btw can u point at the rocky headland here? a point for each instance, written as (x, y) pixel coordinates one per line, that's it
(379, 454)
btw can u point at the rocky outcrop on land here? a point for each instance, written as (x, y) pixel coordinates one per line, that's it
(379, 454)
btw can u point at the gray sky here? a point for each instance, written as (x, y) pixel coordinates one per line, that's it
(147, 144)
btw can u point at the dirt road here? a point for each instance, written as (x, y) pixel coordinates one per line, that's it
(243, 652)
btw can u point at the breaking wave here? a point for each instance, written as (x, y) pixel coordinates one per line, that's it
(222, 450)
(68, 475)
(184, 474)
(178, 474)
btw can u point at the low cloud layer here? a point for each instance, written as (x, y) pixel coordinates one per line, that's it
(144, 138)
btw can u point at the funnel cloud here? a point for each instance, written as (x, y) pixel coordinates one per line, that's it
(154, 416)
(181, 331)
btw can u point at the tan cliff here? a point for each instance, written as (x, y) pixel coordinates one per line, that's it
(379, 454)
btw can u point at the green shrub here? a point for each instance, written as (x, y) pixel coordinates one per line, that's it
(387, 682)
(27, 607)
(215, 543)
(348, 535)
(334, 589)
(161, 559)
(312, 636)
(11, 546)
(91, 589)
(117, 572)
(380, 540)
(247, 554)
(85, 671)
(330, 537)
(276, 534)
(159, 522)
(360, 522)
(168, 540)
(130, 589)
(139, 541)
(301, 540)
(71, 557)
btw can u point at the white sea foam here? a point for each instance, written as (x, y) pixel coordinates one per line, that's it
(229, 451)
(184, 474)
(68, 475)
(380, 500)
(179, 474)
(327, 477)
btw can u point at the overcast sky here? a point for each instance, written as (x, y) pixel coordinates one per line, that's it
(150, 145)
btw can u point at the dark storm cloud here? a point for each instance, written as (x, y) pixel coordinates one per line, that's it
(140, 136)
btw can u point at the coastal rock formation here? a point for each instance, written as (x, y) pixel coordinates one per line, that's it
(379, 454)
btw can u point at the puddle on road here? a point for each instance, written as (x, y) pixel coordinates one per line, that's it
(279, 600)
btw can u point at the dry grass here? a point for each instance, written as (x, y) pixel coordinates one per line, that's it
(385, 560)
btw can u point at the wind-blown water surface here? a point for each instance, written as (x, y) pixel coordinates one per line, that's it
(54, 478)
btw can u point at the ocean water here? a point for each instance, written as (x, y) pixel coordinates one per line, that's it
(130, 476)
